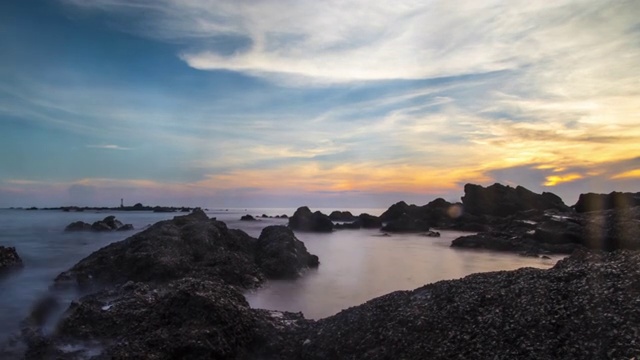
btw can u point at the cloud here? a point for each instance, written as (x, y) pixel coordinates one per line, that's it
(108, 147)
(344, 41)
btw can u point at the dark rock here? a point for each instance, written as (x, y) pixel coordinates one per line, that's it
(187, 318)
(500, 200)
(304, 220)
(407, 224)
(78, 226)
(9, 259)
(583, 308)
(100, 226)
(247, 218)
(126, 227)
(281, 255)
(369, 221)
(599, 202)
(431, 234)
(502, 241)
(189, 245)
(341, 216)
(355, 225)
(264, 216)
(112, 223)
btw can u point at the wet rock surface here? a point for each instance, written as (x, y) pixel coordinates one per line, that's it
(9, 259)
(586, 307)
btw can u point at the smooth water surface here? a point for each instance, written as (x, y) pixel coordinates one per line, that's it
(356, 265)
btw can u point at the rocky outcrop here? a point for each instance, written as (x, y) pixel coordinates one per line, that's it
(172, 291)
(599, 202)
(342, 216)
(363, 221)
(401, 217)
(406, 223)
(502, 241)
(304, 220)
(583, 308)
(279, 254)
(500, 200)
(186, 318)
(9, 259)
(248, 218)
(109, 223)
(188, 245)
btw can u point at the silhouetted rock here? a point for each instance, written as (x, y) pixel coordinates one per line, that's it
(503, 241)
(247, 218)
(598, 202)
(9, 259)
(369, 221)
(304, 220)
(78, 226)
(341, 216)
(281, 255)
(500, 200)
(407, 224)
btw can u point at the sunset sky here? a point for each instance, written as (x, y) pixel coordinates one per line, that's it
(337, 104)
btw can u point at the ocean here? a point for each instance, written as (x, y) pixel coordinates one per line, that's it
(355, 265)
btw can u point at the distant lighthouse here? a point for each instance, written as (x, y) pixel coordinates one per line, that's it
(121, 203)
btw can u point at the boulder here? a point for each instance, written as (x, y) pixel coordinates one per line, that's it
(188, 245)
(247, 218)
(406, 223)
(78, 226)
(500, 200)
(599, 202)
(9, 259)
(112, 222)
(279, 254)
(341, 216)
(304, 220)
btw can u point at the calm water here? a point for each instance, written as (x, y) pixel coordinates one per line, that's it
(356, 265)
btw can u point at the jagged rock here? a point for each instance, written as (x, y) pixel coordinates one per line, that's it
(279, 254)
(598, 202)
(78, 226)
(188, 245)
(341, 216)
(247, 218)
(112, 223)
(304, 220)
(9, 259)
(500, 200)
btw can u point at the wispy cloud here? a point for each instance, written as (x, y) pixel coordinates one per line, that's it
(108, 147)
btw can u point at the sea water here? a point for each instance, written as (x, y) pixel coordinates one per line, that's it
(355, 265)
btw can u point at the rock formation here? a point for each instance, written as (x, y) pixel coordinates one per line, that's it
(304, 220)
(9, 259)
(109, 223)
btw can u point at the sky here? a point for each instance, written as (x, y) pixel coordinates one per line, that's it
(338, 104)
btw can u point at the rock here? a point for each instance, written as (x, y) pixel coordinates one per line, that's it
(126, 227)
(599, 202)
(189, 245)
(112, 223)
(583, 308)
(280, 254)
(78, 226)
(9, 259)
(100, 226)
(304, 220)
(341, 216)
(503, 241)
(187, 318)
(369, 221)
(431, 234)
(499, 200)
(407, 224)
(264, 216)
(247, 218)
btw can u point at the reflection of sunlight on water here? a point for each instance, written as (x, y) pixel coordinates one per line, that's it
(356, 266)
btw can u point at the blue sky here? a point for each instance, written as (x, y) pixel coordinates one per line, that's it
(327, 103)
